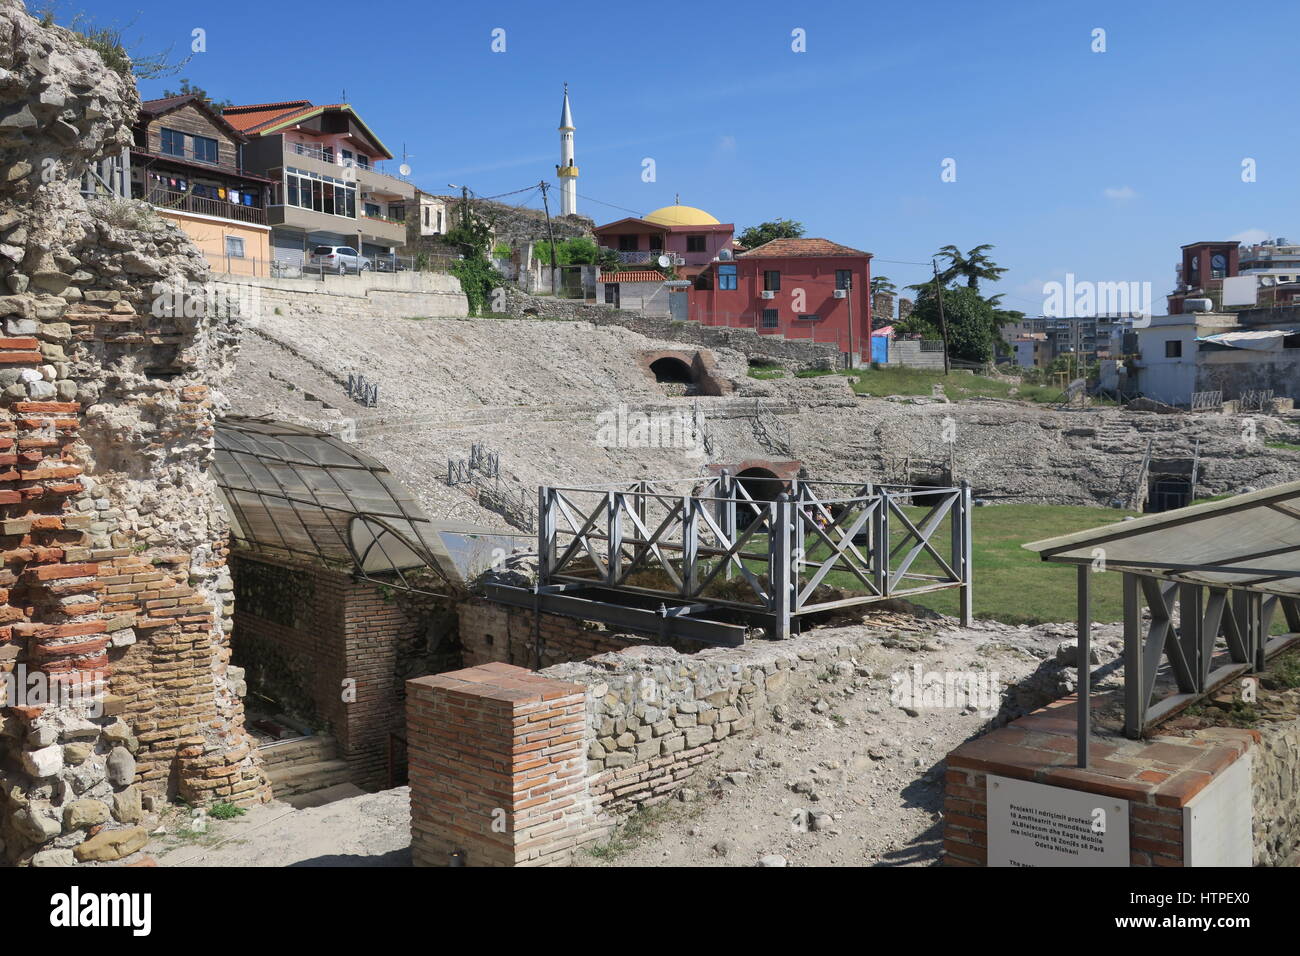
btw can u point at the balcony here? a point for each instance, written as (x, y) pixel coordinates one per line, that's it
(185, 202)
(377, 175)
(637, 256)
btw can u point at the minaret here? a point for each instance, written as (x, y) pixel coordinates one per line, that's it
(566, 170)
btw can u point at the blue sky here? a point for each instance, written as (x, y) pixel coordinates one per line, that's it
(1067, 160)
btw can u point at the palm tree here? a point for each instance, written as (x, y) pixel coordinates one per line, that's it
(973, 266)
(882, 284)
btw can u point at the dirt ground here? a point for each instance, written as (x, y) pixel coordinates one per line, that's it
(846, 777)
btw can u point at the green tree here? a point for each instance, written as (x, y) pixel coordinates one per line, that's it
(971, 266)
(755, 236)
(972, 322)
(472, 234)
(187, 88)
(882, 284)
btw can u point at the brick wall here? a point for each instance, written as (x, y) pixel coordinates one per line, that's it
(338, 663)
(494, 632)
(498, 774)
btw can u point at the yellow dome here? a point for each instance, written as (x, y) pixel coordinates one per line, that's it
(680, 216)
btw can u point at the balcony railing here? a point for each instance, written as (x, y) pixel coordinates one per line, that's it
(335, 157)
(635, 256)
(187, 202)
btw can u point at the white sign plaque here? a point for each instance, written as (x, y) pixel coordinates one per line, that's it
(1032, 824)
(1217, 822)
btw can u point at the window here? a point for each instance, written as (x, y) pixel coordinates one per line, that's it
(397, 211)
(771, 280)
(627, 243)
(726, 277)
(656, 243)
(810, 318)
(205, 150)
(695, 244)
(771, 318)
(1173, 349)
(309, 190)
(372, 210)
(173, 142)
(235, 247)
(843, 278)
(611, 293)
(426, 216)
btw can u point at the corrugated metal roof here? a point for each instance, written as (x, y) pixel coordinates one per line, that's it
(1249, 541)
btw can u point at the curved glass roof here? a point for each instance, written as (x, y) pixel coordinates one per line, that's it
(292, 490)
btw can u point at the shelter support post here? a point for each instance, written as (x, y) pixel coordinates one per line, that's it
(1133, 682)
(1084, 682)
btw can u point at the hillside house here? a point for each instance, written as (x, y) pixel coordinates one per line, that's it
(188, 163)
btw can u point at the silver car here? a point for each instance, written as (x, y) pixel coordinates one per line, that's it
(338, 259)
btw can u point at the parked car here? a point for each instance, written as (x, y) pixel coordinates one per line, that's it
(338, 259)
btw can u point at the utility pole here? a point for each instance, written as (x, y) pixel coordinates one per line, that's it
(943, 323)
(848, 294)
(550, 236)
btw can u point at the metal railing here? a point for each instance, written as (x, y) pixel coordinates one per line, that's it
(188, 202)
(226, 264)
(716, 545)
(334, 157)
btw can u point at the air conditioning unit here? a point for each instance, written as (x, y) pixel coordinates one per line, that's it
(765, 294)
(841, 293)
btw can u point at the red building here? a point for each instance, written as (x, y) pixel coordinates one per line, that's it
(799, 288)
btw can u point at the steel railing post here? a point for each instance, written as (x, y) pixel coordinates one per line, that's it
(779, 564)
(545, 534)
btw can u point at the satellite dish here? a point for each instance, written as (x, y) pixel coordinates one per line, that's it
(665, 261)
(404, 169)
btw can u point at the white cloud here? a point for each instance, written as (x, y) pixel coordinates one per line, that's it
(1120, 193)
(1251, 236)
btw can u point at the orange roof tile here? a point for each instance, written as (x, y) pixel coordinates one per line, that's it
(800, 248)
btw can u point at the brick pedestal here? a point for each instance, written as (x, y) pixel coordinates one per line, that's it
(497, 768)
(1156, 777)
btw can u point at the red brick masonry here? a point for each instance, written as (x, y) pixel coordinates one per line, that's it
(1158, 777)
(498, 768)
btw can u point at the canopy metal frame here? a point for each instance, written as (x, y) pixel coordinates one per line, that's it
(296, 491)
(1226, 599)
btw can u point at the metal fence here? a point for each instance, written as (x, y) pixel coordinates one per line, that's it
(225, 264)
(717, 545)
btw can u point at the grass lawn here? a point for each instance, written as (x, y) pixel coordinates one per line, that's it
(958, 385)
(1016, 586)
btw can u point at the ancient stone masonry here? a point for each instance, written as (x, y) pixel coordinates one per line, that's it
(114, 558)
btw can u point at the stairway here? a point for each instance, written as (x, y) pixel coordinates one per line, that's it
(303, 765)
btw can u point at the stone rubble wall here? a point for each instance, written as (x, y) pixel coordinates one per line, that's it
(114, 563)
(1275, 782)
(655, 714)
(402, 295)
(792, 353)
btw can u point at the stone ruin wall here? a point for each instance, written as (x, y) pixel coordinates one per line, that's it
(114, 554)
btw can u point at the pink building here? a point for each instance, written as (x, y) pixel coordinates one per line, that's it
(690, 236)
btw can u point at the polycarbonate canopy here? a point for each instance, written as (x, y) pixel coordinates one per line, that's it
(1249, 541)
(290, 489)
